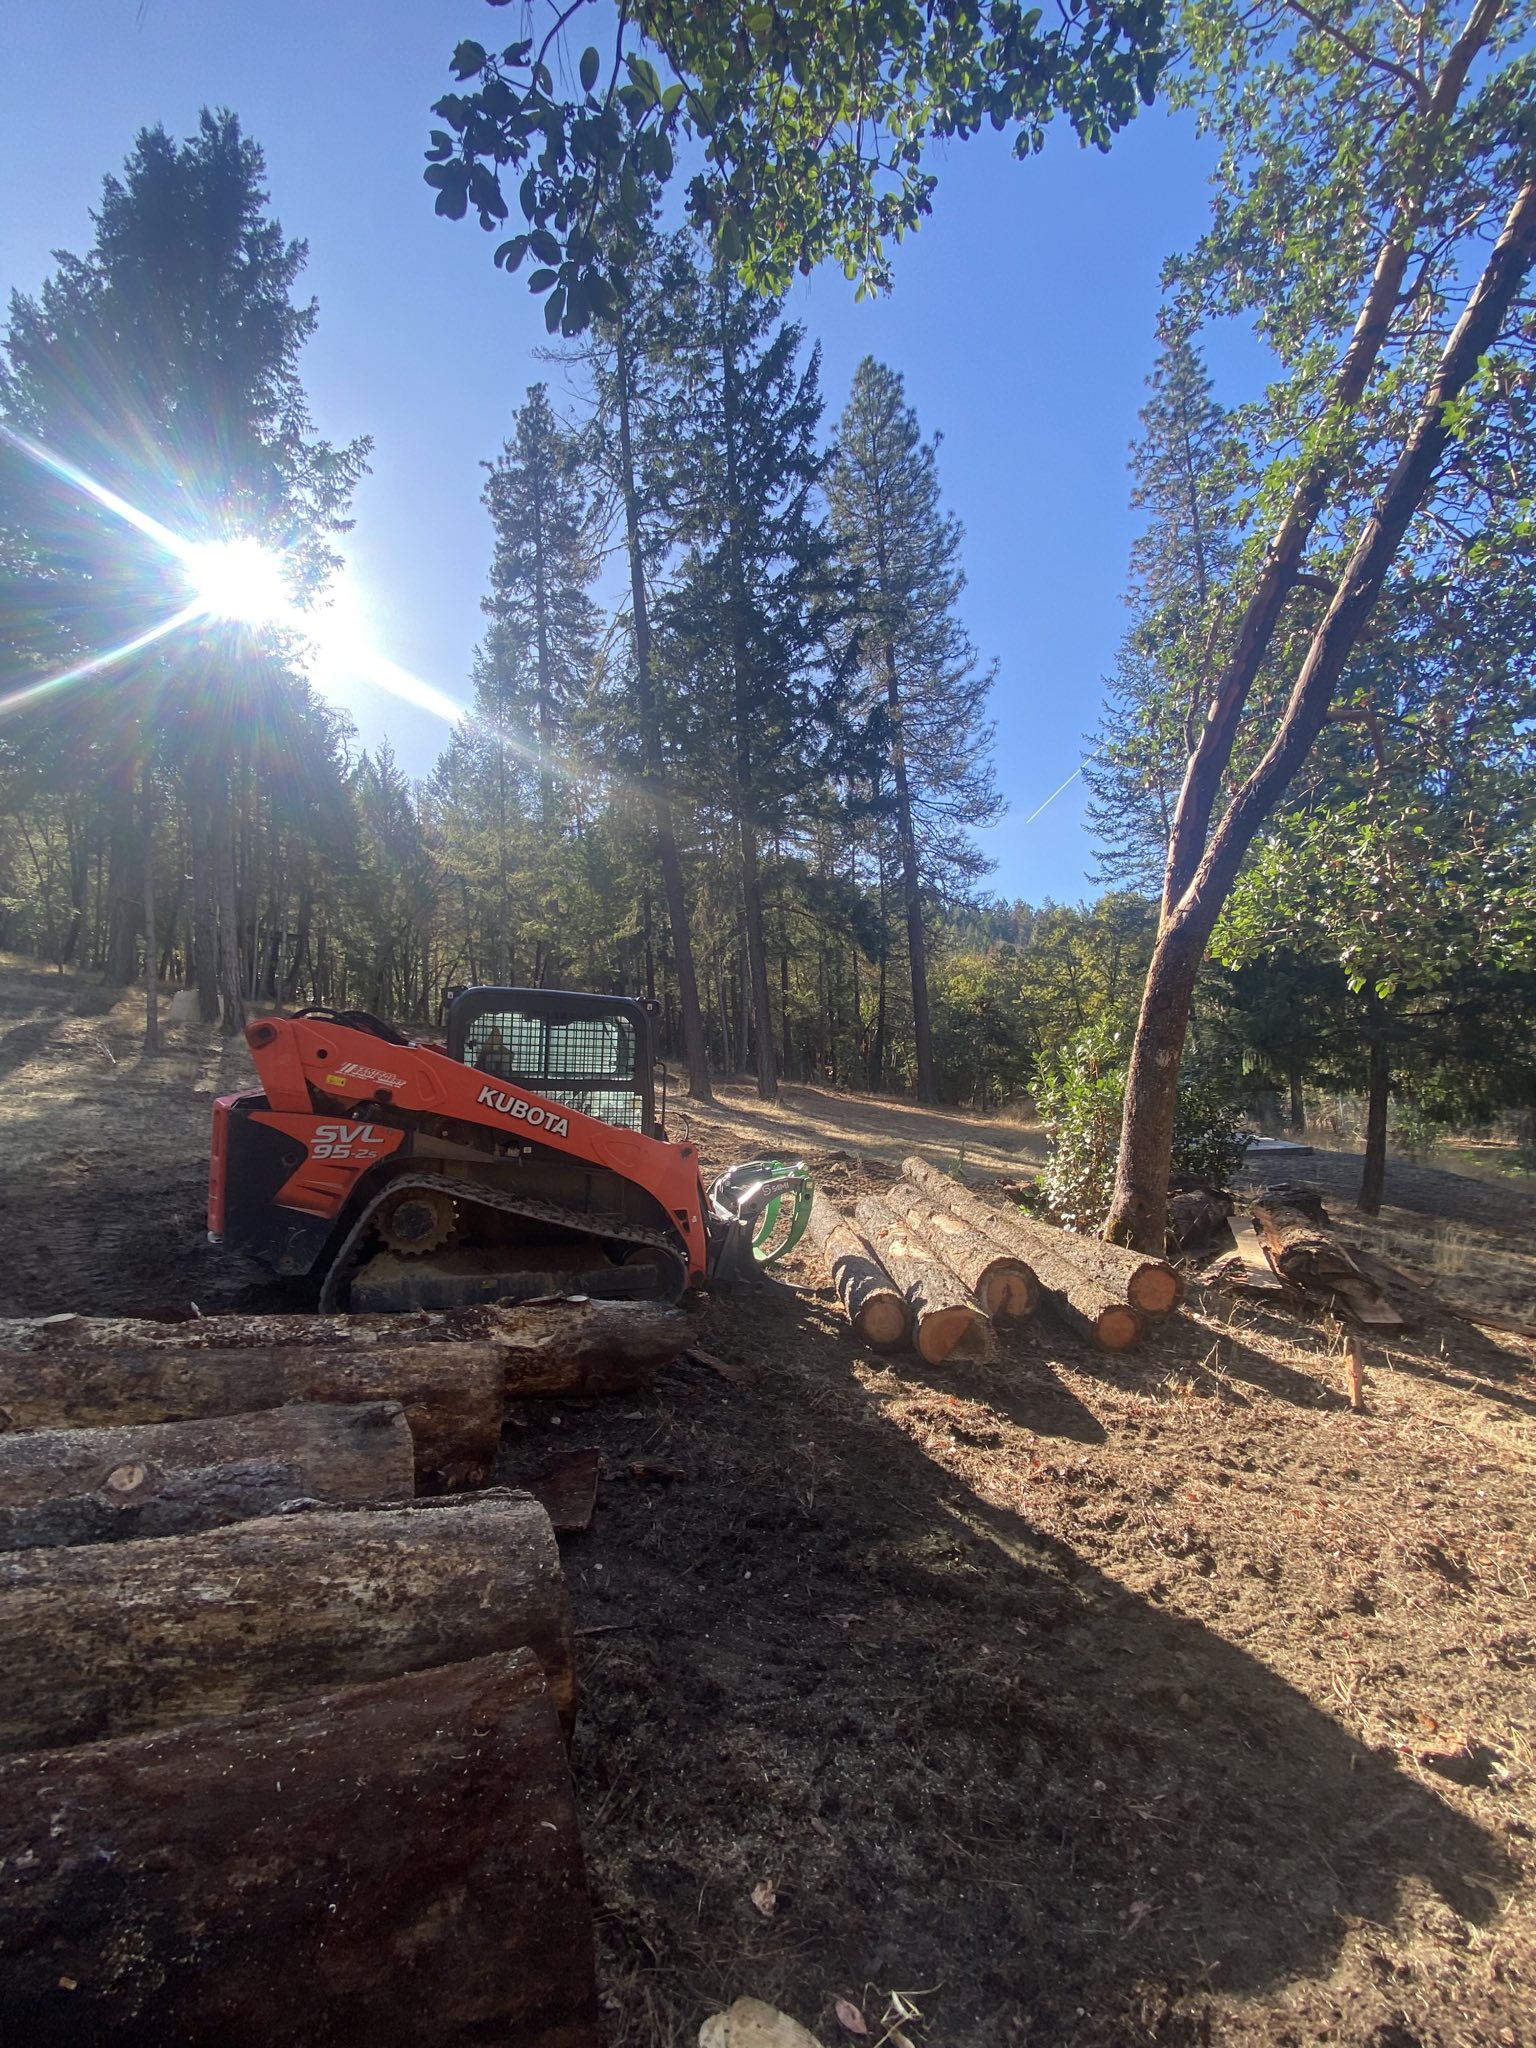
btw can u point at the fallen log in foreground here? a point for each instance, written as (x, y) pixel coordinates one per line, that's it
(1150, 1286)
(554, 1347)
(65, 1486)
(451, 1393)
(873, 1304)
(395, 1862)
(114, 1639)
(947, 1325)
(579, 1347)
(1004, 1284)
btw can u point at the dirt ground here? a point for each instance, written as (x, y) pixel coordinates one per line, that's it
(1097, 1701)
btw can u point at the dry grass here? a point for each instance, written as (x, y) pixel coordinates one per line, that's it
(1142, 1702)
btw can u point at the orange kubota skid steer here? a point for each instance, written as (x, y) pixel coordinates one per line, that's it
(522, 1157)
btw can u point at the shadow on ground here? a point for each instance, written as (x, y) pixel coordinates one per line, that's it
(971, 1767)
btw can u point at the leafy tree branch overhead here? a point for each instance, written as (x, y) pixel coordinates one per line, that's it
(808, 124)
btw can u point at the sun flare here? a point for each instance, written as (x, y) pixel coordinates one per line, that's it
(239, 580)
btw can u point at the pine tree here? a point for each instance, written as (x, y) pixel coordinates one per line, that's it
(924, 689)
(544, 626)
(631, 441)
(1181, 565)
(165, 364)
(752, 613)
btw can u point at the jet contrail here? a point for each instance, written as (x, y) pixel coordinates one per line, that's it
(1056, 793)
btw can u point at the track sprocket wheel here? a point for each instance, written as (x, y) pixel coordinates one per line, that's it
(421, 1221)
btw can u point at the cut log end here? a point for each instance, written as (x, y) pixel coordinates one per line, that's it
(955, 1336)
(1117, 1328)
(1155, 1289)
(1008, 1293)
(882, 1322)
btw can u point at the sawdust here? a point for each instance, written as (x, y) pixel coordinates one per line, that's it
(1154, 1699)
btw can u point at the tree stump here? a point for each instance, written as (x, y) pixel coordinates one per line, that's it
(873, 1304)
(395, 1862)
(947, 1324)
(114, 1639)
(60, 1486)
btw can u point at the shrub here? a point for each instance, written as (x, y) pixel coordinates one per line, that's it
(1080, 1097)
(1412, 1130)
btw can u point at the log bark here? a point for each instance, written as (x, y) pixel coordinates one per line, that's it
(394, 1862)
(556, 1347)
(61, 1486)
(1195, 1215)
(947, 1324)
(1303, 1254)
(451, 1393)
(121, 1638)
(1150, 1286)
(581, 1348)
(872, 1302)
(1003, 1283)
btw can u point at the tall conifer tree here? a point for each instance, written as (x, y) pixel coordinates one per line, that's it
(923, 684)
(755, 605)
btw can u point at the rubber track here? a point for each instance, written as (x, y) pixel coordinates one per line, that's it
(591, 1224)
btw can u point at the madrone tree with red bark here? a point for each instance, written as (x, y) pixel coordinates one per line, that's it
(1375, 218)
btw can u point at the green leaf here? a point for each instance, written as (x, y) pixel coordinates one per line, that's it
(589, 69)
(467, 59)
(554, 307)
(541, 280)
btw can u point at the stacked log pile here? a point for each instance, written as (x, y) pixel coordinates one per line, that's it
(267, 1719)
(961, 1264)
(947, 1321)
(876, 1307)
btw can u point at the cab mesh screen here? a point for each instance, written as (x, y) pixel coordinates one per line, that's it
(583, 1063)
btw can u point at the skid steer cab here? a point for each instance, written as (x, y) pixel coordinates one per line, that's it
(524, 1155)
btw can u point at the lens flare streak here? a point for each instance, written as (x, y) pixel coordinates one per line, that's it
(31, 693)
(108, 499)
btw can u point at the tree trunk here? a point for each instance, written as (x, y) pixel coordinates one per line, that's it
(205, 918)
(757, 965)
(744, 713)
(1138, 1208)
(787, 1061)
(168, 1479)
(397, 1862)
(232, 998)
(1201, 871)
(1004, 1284)
(947, 1324)
(151, 937)
(115, 1639)
(451, 1393)
(912, 892)
(1373, 1173)
(1298, 1116)
(1150, 1286)
(125, 891)
(877, 1047)
(873, 1304)
(695, 1056)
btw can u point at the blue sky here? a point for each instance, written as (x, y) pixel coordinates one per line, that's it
(1022, 319)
